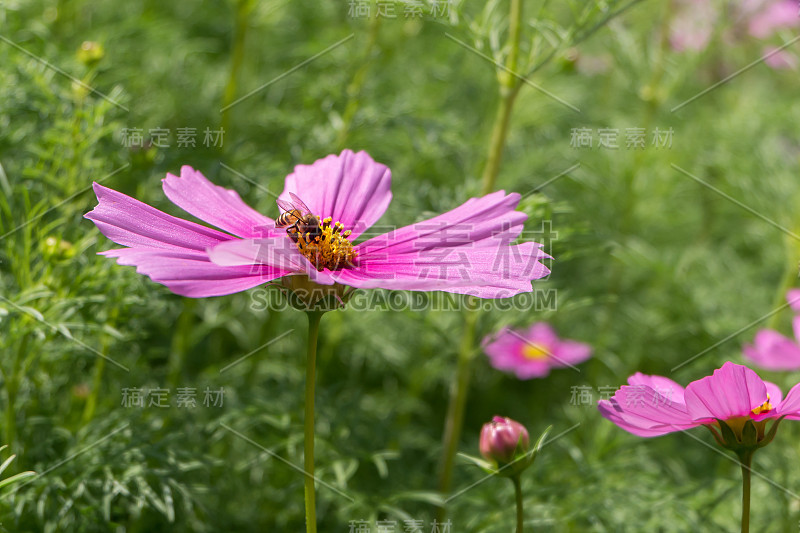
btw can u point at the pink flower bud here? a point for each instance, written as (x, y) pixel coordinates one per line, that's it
(503, 439)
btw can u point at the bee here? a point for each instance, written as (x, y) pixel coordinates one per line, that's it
(297, 219)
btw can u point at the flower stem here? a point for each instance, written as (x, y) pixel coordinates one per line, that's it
(509, 88)
(456, 407)
(518, 493)
(746, 459)
(12, 380)
(498, 140)
(314, 318)
(243, 9)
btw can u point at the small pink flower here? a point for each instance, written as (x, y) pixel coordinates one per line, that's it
(773, 351)
(503, 439)
(467, 250)
(533, 353)
(733, 394)
(692, 26)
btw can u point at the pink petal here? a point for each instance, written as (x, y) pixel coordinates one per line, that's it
(571, 353)
(790, 407)
(793, 297)
(502, 343)
(642, 411)
(773, 351)
(775, 394)
(531, 369)
(663, 386)
(483, 272)
(277, 251)
(129, 222)
(609, 411)
(731, 391)
(191, 273)
(464, 250)
(542, 333)
(487, 221)
(213, 204)
(351, 188)
(170, 250)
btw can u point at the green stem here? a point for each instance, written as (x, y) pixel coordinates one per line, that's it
(97, 382)
(314, 318)
(746, 459)
(181, 342)
(456, 407)
(509, 88)
(12, 388)
(518, 494)
(498, 140)
(514, 27)
(90, 407)
(243, 9)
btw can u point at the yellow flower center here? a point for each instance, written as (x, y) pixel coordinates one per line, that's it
(330, 248)
(766, 406)
(535, 351)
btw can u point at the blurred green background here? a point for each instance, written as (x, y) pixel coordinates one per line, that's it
(651, 266)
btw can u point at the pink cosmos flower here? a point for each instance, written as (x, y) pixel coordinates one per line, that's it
(466, 250)
(650, 406)
(533, 353)
(773, 351)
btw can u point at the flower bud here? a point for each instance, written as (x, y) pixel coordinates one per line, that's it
(90, 53)
(503, 439)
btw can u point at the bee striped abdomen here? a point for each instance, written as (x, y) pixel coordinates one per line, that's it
(287, 219)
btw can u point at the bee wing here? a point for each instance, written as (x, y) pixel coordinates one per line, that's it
(294, 203)
(299, 205)
(284, 205)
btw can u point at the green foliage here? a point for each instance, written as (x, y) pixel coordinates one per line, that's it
(651, 267)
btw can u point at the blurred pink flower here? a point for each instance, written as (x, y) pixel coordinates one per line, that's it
(772, 17)
(466, 250)
(650, 406)
(694, 20)
(692, 25)
(533, 353)
(773, 351)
